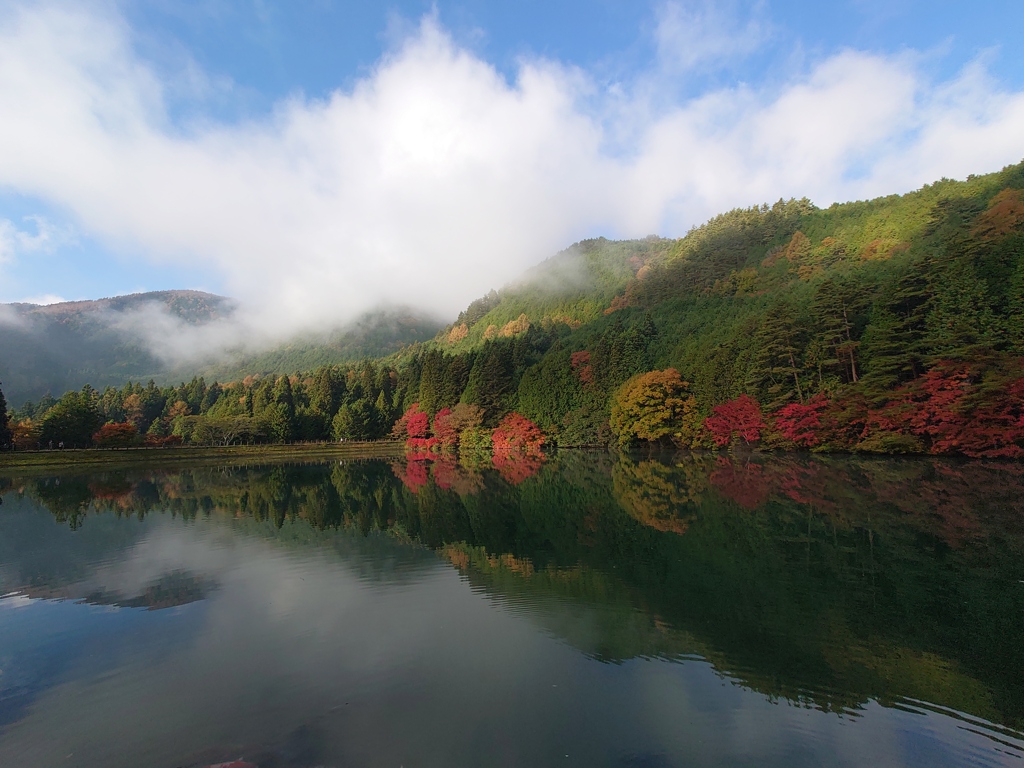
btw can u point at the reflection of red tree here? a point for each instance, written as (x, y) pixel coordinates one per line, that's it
(413, 474)
(110, 490)
(420, 448)
(450, 475)
(745, 483)
(517, 445)
(517, 466)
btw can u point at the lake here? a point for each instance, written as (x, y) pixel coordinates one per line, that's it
(660, 610)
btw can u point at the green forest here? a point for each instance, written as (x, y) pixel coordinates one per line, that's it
(894, 325)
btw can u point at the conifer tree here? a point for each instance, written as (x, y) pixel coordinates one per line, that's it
(960, 324)
(1015, 315)
(885, 355)
(454, 381)
(432, 381)
(326, 392)
(282, 419)
(6, 437)
(834, 308)
(776, 369)
(490, 381)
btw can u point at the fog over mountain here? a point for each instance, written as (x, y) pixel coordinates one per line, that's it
(56, 347)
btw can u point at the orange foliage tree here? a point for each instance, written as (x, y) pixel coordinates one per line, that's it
(517, 434)
(655, 407)
(450, 423)
(116, 436)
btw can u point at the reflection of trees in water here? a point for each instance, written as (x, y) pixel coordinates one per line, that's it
(657, 495)
(830, 581)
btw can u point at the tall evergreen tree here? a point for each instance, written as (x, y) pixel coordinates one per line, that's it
(454, 381)
(834, 311)
(327, 391)
(776, 370)
(893, 348)
(960, 323)
(6, 436)
(72, 421)
(1015, 315)
(491, 381)
(432, 381)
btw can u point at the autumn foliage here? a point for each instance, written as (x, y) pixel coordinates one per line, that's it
(737, 419)
(517, 434)
(116, 436)
(799, 424)
(655, 407)
(450, 423)
(413, 423)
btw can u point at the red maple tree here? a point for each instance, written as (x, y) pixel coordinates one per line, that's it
(740, 417)
(516, 433)
(800, 423)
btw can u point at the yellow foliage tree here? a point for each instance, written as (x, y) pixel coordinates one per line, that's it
(656, 407)
(514, 327)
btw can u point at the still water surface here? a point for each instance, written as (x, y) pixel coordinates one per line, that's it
(666, 611)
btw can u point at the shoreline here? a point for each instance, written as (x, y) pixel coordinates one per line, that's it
(101, 458)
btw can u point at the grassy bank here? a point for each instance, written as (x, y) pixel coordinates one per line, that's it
(95, 458)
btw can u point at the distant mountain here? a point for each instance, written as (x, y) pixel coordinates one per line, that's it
(376, 334)
(63, 346)
(58, 347)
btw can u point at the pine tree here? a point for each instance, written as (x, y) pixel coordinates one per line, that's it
(432, 381)
(893, 345)
(960, 324)
(283, 418)
(1015, 316)
(885, 355)
(490, 382)
(383, 407)
(454, 381)
(210, 398)
(834, 308)
(775, 371)
(6, 437)
(326, 392)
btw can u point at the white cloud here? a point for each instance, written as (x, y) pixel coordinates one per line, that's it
(434, 179)
(39, 236)
(698, 33)
(43, 300)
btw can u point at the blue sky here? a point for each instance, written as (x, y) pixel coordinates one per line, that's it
(377, 148)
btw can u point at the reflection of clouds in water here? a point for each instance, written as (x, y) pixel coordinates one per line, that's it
(347, 661)
(285, 639)
(14, 601)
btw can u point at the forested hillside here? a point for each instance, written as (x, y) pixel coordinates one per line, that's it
(53, 348)
(61, 346)
(892, 325)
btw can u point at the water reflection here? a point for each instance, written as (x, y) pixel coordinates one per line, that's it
(314, 610)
